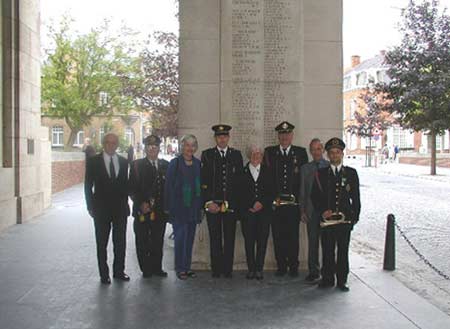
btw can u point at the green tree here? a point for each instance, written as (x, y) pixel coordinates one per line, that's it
(419, 87)
(87, 75)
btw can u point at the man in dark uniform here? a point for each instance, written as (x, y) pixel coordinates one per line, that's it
(335, 195)
(147, 179)
(284, 162)
(221, 169)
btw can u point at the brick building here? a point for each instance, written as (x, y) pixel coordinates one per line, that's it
(356, 79)
(131, 128)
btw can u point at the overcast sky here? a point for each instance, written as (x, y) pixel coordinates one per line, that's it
(369, 25)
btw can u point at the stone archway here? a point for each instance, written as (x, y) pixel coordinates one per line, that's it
(274, 60)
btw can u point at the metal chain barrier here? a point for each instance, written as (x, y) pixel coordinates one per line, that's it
(418, 253)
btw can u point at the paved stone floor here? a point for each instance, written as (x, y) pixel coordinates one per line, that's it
(48, 279)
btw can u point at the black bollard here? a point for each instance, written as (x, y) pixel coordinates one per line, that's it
(389, 246)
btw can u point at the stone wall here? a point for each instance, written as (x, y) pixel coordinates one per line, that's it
(443, 161)
(26, 166)
(67, 170)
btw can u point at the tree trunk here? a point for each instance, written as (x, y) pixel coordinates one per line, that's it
(433, 152)
(71, 140)
(370, 151)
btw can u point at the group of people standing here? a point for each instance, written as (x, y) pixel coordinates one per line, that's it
(276, 190)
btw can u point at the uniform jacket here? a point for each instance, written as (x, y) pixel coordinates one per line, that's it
(337, 193)
(147, 183)
(219, 177)
(285, 171)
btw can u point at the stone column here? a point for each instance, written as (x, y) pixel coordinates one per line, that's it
(253, 64)
(26, 150)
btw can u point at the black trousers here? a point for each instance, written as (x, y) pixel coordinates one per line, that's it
(255, 228)
(285, 233)
(103, 227)
(149, 236)
(332, 237)
(222, 233)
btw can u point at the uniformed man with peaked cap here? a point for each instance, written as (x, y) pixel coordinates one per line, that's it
(284, 161)
(335, 195)
(147, 179)
(221, 168)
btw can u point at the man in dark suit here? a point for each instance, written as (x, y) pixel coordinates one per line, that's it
(221, 169)
(335, 195)
(308, 215)
(147, 179)
(106, 194)
(284, 162)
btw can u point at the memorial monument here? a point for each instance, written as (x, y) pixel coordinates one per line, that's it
(253, 64)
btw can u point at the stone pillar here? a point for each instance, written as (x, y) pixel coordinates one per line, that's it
(26, 164)
(253, 64)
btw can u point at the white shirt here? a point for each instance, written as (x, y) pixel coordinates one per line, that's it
(254, 171)
(115, 159)
(154, 162)
(287, 149)
(333, 168)
(224, 150)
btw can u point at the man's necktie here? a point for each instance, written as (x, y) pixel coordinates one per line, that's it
(112, 170)
(223, 154)
(285, 152)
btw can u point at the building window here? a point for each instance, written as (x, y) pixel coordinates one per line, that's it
(57, 136)
(344, 110)
(382, 76)
(361, 79)
(129, 136)
(79, 140)
(352, 108)
(403, 138)
(347, 83)
(103, 98)
(101, 134)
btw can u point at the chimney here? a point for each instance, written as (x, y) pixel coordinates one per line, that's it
(356, 60)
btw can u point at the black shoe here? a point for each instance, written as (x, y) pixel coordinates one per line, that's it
(343, 287)
(250, 275)
(161, 274)
(280, 273)
(146, 275)
(293, 273)
(259, 276)
(326, 284)
(312, 278)
(215, 275)
(106, 280)
(122, 276)
(228, 275)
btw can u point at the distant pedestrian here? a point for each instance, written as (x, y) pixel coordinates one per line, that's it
(88, 149)
(396, 150)
(385, 153)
